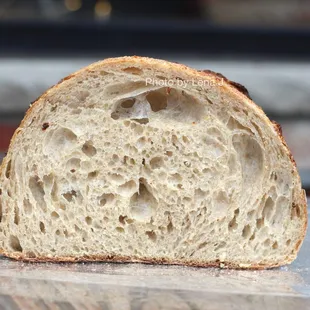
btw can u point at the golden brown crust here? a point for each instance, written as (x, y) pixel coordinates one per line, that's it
(303, 203)
(278, 128)
(236, 85)
(234, 89)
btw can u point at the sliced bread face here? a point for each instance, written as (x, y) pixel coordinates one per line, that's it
(141, 160)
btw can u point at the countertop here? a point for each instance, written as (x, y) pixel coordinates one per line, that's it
(139, 286)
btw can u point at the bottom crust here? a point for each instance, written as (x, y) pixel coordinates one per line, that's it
(154, 261)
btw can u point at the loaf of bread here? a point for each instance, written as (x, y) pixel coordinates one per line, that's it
(141, 160)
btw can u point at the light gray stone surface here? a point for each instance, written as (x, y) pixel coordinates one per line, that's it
(277, 86)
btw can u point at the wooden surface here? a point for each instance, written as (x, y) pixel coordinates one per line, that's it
(137, 286)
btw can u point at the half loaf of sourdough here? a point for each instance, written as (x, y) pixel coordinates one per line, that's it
(141, 160)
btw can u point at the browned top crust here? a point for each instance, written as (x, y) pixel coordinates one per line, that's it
(238, 86)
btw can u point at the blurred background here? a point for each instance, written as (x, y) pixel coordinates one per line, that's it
(262, 44)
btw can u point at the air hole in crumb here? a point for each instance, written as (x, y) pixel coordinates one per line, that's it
(202, 245)
(127, 189)
(42, 227)
(105, 198)
(73, 164)
(59, 141)
(219, 246)
(141, 142)
(122, 219)
(160, 77)
(16, 216)
(274, 176)
(8, 169)
(157, 101)
(170, 227)
(45, 126)
(15, 244)
(62, 207)
(275, 245)
(156, 162)
(251, 157)
(141, 121)
(268, 208)
(288, 242)
(246, 231)
(152, 235)
(169, 153)
(295, 211)
(252, 237)
(133, 70)
(120, 229)
(103, 201)
(93, 175)
(54, 215)
(142, 203)
(116, 178)
(175, 141)
(127, 104)
(259, 223)
(88, 149)
(185, 139)
(37, 190)
(234, 124)
(233, 224)
(115, 115)
(69, 195)
(88, 220)
(129, 221)
(48, 181)
(57, 232)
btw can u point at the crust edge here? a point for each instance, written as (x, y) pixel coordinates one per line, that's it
(156, 261)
